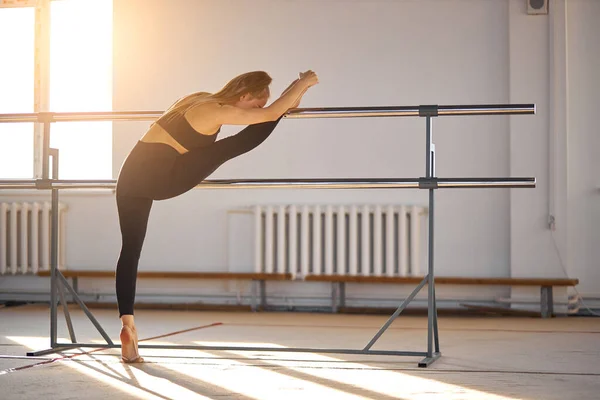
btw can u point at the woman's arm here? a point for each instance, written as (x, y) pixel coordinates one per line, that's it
(287, 89)
(297, 102)
(230, 115)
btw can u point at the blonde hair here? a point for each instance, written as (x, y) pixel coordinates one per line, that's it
(256, 83)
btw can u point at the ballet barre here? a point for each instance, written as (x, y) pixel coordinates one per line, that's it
(428, 182)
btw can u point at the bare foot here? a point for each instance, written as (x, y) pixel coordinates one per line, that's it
(129, 346)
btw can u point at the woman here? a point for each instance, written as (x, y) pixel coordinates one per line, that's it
(178, 152)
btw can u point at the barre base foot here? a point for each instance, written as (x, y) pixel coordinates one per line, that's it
(54, 350)
(427, 361)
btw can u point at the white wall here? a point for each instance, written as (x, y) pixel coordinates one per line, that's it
(366, 53)
(583, 140)
(371, 53)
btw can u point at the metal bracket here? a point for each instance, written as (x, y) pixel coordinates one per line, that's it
(43, 184)
(428, 111)
(428, 183)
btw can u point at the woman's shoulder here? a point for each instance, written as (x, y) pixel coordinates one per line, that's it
(203, 107)
(203, 117)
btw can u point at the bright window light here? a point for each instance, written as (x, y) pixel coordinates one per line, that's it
(17, 30)
(81, 81)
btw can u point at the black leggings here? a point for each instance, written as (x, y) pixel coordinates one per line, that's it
(156, 171)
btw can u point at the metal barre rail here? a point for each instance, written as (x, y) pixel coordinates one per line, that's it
(411, 111)
(325, 112)
(366, 183)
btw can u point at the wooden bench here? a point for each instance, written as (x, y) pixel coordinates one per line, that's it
(546, 285)
(338, 283)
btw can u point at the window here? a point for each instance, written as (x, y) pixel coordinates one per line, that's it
(80, 80)
(17, 33)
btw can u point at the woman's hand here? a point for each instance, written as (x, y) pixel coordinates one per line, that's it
(309, 78)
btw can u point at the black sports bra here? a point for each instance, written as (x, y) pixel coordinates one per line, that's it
(181, 130)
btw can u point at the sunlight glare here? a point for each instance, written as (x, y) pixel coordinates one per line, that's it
(81, 80)
(389, 383)
(16, 91)
(164, 387)
(256, 381)
(117, 374)
(251, 381)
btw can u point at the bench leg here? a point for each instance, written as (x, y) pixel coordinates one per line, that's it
(253, 295)
(547, 302)
(263, 294)
(334, 287)
(342, 302)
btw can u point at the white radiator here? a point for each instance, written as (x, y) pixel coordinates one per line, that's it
(25, 237)
(367, 240)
